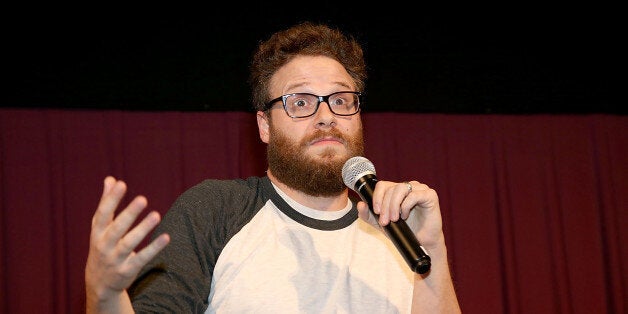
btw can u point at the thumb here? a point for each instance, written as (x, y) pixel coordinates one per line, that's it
(365, 213)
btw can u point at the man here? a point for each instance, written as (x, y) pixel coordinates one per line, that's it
(287, 242)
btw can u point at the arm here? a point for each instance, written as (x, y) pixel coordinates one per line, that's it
(434, 291)
(112, 264)
(200, 223)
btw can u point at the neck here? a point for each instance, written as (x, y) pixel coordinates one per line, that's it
(324, 203)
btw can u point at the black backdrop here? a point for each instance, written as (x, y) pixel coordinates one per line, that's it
(520, 60)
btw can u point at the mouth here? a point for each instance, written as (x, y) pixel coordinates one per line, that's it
(327, 140)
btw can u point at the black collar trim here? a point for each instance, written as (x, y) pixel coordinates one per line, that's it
(326, 225)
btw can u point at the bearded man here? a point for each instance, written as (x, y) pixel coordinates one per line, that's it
(288, 242)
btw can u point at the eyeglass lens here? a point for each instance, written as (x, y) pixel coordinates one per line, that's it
(301, 104)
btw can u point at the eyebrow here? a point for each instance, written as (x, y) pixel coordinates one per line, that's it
(294, 86)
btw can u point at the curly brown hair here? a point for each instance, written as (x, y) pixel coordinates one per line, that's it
(306, 38)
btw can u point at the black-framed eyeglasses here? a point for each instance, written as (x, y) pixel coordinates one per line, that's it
(302, 105)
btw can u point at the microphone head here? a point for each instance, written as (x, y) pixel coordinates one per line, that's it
(354, 169)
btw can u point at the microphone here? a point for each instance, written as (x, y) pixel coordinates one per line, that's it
(358, 173)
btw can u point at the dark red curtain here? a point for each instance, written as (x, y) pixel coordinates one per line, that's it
(534, 207)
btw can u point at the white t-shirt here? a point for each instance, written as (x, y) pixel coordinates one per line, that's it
(271, 255)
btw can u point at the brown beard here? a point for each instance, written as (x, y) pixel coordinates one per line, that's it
(316, 176)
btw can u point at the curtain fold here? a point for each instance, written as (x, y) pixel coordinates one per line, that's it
(534, 206)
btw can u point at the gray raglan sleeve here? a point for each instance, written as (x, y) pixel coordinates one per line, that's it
(200, 223)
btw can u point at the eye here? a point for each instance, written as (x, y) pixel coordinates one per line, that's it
(339, 101)
(301, 102)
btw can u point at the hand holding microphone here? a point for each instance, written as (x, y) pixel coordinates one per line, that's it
(359, 175)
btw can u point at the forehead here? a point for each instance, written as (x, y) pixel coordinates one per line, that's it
(316, 74)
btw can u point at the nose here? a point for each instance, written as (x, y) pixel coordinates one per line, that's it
(324, 117)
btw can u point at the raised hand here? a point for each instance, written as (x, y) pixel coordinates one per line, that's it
(113, 263)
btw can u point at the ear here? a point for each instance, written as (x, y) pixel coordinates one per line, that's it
(263, 126)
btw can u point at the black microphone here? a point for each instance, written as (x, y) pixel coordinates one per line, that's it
(358, 173)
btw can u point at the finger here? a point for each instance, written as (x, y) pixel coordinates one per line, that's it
(421, 195)
(134, 237)
(406, 204)
(126, 218)
(113, 191)
(423, 205)
(378, 196)
(384, 211)
(393, 198)
(150, 251)
(109, 182)
(365, 213)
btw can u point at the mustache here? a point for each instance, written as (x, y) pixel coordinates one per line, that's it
(319, 134)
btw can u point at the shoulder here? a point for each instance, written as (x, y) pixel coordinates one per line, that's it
(212, 190)
(219, 198)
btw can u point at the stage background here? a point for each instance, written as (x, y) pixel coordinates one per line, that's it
(515, 115)
(534, 206)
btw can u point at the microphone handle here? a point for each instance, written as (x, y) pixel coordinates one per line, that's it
(401, 235)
